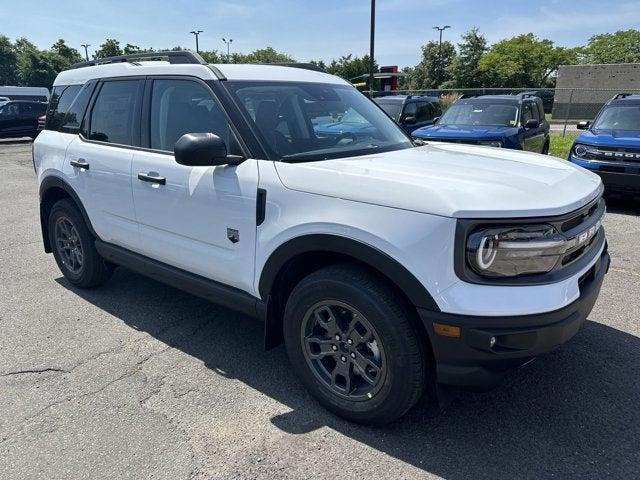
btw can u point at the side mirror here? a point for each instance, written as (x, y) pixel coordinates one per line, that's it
(435, 120)
(409, 120)
(203, 150)
(532, 123)
(583, 125)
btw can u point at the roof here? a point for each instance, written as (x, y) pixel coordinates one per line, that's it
(403, 98)
(205, 72)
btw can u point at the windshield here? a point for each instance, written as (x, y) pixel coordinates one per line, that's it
(309, 121)
(619, 117)
(392, 109)
(481, 113)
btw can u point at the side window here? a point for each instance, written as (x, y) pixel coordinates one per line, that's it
(185, 106)
(61, 100)
(535, 113)
(527, 114)
(70, 123)
(113, 116)
(424, 112)
(410, 110)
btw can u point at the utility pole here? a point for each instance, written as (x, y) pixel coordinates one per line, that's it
(228, 43)
(371, 46)
(86, 52)
(440, 29)
(196, 33)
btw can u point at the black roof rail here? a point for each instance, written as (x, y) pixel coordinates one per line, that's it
(174, 56)
(621, 95)
(305, 66)
(469, 95)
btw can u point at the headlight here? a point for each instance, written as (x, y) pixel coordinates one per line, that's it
(583, 151)
(491, 143)
(518, 250)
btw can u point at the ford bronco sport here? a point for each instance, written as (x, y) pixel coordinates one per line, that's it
(384, 267)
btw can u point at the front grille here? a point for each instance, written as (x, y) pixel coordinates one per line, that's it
(612, 154)
(583, 228)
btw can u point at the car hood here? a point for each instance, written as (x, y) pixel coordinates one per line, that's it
(465, 131)
(453, 180)
(610, 138)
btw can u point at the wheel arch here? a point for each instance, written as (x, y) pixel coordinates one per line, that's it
(298, 257)
(53, 189)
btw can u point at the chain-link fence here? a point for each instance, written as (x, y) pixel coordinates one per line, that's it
(563, 107)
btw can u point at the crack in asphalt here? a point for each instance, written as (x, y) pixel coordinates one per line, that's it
(35, 370)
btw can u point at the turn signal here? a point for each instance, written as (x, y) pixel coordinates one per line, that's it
(446, 330)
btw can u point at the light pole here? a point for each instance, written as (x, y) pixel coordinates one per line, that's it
(196, 33)
(228, 43)
(86, 52)
(371, 45)
(440, 29)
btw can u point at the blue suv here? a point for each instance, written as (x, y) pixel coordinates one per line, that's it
(508, 121)
(610, 146)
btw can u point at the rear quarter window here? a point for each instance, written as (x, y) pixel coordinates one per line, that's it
(61, 100)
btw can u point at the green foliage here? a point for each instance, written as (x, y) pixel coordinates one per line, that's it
(110, 48)
(261, 55)
(524, 61)
(622, 46)
(8, 62)
(559, 146)
(434, 68)
(70, 54)
(464, 69)
(350, 67)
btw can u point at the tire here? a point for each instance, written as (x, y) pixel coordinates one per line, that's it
(394, 355)
(73, 247)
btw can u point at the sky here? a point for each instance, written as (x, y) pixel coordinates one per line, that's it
(309, 29)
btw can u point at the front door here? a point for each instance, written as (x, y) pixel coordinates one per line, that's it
(533, 137)
(199, 219)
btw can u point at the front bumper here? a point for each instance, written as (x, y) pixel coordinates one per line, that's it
(616, 176)
(469, 360)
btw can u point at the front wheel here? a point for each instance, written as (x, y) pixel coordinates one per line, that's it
(354, 345)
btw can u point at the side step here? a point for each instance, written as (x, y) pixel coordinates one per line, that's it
(211, 290)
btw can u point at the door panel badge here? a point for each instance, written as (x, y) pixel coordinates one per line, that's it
(233, 235)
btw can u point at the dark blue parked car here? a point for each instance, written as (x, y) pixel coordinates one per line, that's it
(508, 121)
(411, 111)
(610, 146)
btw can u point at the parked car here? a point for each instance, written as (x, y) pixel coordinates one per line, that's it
(34, 94)
(507, 121)
(610, 145)
(381, 265)
(20, 118)
(410, 111)
(546, 95)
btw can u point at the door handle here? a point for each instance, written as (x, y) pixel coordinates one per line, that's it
(155, 178)
(80, 163)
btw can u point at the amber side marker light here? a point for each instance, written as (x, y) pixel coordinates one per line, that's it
(446, 330)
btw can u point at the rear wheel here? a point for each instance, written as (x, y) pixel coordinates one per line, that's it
(73, 247)
(354, 345)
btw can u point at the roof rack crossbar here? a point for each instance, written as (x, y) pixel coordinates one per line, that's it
(174, 56)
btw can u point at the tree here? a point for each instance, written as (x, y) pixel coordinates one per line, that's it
(39, 68)
(213, 56)
(622, 46)
(267, 55)
(350, 67)
(433, 69)
(110, 48)
(464, 70)
(524, 61)
(8, 62)
(70, 54)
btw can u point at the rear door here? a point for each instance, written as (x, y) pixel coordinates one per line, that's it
(98, 161)
(28, 114)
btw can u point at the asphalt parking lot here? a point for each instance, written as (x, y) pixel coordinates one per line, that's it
(138, 380)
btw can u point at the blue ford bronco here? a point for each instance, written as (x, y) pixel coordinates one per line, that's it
(508, 121)
(610, 145)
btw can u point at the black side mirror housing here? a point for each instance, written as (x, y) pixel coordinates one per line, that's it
(435, 120)
(532, 123)
(409, 120)
(583, 125)
(203, 150)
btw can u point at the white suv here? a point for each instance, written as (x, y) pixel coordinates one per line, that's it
(286, 194)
